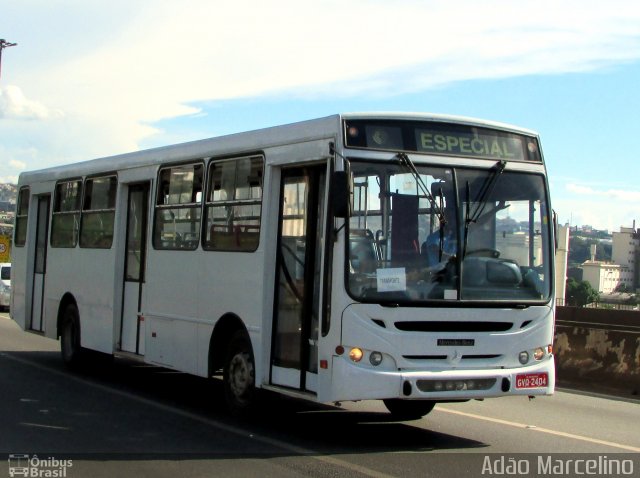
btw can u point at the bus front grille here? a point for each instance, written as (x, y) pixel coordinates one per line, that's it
(453, 326)
(455, 385)
(444, 357)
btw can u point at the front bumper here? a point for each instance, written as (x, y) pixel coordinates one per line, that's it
(371, 384)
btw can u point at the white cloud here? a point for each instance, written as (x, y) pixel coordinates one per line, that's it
(604, 209)
(599, 214)
(613, 194)
(130, 64)
(16, 164)
(8, 179)
(14, 105)
(171, 53)
(10, 165)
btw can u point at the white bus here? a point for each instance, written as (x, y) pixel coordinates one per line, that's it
(401, 257)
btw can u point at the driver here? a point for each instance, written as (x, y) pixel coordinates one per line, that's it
(431, 247)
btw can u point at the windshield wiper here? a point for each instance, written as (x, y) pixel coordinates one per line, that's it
(405, 161)
(481, 201)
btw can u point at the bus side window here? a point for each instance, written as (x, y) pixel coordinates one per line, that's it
(363, 251)
(22, 217)
(178, 207)
(234, 204)
(66, 214)
(98, 212)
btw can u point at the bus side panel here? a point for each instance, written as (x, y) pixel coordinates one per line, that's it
(170, 308)
(186, 292)
(180, 344)
(233, 283)
(18, 309)
(88, 275)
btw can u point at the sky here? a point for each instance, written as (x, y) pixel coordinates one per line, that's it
(92, 78)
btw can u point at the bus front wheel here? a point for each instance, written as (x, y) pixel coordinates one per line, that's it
(409, 409)
(239, 374)
(70, 336)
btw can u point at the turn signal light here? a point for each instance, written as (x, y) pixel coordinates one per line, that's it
(538, 353)
(356, 354)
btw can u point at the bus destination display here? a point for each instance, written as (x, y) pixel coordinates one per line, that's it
(441, 139)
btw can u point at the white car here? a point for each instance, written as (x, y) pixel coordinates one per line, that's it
(5, 285)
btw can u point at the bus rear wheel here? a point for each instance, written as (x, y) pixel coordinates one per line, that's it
(408, 409)
(239, 375)
(70, 336)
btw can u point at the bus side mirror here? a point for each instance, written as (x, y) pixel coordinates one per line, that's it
(340, 197)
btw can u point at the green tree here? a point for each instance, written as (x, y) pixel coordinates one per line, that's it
(580, 250)
(580, 293)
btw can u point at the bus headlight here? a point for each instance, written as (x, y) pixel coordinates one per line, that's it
(375, 358)
(523, 357)
(537, 354)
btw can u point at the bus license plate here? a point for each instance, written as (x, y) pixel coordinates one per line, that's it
(532, 380)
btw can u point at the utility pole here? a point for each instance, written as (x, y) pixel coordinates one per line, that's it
(4, 44)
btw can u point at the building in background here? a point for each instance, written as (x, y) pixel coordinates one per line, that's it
(606, 277)
(562, 257)
(626, 252)
(623, 272)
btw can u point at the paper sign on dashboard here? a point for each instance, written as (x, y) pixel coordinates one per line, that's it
(391, 280)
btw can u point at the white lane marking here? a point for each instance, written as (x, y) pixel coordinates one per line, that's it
(41, 425)
(211, 422)
(541, 430)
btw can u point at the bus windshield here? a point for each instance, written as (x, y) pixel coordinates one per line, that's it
(430, 233)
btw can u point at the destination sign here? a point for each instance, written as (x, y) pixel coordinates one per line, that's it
(462, 144)
(451, 139)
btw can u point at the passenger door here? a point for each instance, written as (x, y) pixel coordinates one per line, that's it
(132, 324)
(294, 358)
(40, 264)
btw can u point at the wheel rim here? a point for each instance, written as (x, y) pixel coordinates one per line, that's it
(240, 375)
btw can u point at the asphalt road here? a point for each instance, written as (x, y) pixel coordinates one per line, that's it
(122, 418)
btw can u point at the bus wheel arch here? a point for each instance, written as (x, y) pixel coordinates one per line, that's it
(231, 351)
(223, 331)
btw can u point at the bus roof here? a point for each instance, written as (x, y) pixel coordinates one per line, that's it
(326, 127)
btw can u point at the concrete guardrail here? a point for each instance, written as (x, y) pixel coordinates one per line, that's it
(598, 350)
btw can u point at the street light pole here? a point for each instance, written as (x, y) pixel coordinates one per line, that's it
(4, 44)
